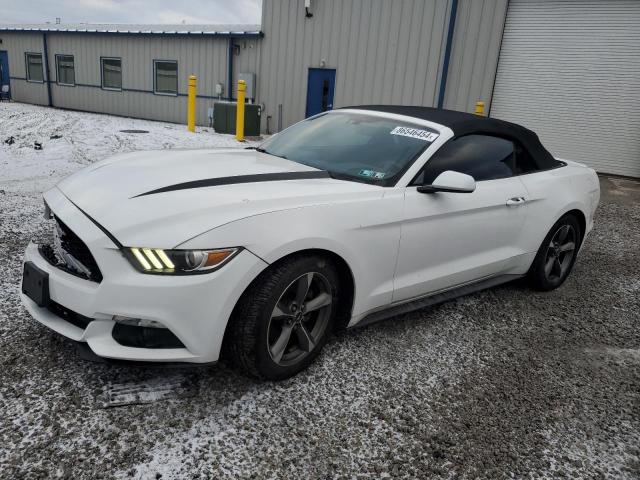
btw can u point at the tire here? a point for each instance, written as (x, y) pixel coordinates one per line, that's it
(256, 340)
(557, 255)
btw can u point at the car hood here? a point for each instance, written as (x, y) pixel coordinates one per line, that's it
(163, 198)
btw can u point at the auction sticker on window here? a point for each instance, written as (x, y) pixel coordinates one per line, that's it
(372, 174)
(425, 135)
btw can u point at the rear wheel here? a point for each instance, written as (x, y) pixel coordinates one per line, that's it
(284, 319)
(557, 254)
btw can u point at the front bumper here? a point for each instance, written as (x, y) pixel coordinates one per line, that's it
(194, 308)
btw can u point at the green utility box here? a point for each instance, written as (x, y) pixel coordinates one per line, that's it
(224, 118)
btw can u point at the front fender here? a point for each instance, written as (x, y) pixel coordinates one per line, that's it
(365, 236)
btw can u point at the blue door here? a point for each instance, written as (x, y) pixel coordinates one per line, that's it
(320, 87)
(4, 71)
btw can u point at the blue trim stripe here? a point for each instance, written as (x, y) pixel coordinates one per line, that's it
(447, 52)
(135, 90)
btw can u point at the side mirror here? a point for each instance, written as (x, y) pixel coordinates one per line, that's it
(450, 181)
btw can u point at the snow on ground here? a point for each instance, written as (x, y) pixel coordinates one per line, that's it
(506, 383)
(71, 140)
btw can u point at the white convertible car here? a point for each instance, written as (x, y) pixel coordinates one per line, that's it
(257, 255)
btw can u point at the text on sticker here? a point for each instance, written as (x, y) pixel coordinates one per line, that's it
(415, 133)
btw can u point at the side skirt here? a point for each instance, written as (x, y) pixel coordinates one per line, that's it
(433, 299)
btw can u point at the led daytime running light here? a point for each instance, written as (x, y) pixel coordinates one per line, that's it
(152, 258)
(143, 261)
(163, 256)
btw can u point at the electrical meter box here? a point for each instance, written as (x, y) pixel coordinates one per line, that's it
(250, 80)
(224, 118)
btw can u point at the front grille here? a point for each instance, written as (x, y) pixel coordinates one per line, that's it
(70, 254)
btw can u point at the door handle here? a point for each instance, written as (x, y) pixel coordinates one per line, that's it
(514, 201)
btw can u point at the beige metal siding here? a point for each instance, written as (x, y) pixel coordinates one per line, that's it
(570, 71)
(204, 57)
(383, 52)
(246, 61)
(474, 53)
(16, 45)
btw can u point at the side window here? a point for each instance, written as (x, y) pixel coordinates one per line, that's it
(524, 161)
(111, 73)
(481, 156)
(66, 70)
(165, 77)
(35, 71)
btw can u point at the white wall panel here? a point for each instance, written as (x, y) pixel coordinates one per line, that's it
(570, 70)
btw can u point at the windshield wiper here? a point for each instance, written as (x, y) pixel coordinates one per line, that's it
(257, 149)
(262, 150)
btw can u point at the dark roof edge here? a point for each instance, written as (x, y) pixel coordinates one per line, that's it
(259, 34)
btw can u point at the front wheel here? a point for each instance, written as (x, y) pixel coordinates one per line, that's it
(557, 254)
(284, 319)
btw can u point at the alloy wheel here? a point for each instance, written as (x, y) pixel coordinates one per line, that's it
(560, 253)
(299, 318)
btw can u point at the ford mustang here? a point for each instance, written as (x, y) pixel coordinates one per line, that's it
(257, 255)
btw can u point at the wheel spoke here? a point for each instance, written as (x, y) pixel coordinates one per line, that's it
(557, 267)
(280, 311)
(549, 266)
(278, 348)
(568, 247)
(322, 300)
(303, 288)
(562, 233)
(305, 340)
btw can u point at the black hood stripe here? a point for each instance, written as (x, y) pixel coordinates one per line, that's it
(104, 230)
(261, 177)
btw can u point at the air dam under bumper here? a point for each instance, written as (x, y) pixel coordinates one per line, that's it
(195, 308)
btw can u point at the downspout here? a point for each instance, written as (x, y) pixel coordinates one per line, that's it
(46, 63)
(447, 52)
(230, 69)
(495, 76)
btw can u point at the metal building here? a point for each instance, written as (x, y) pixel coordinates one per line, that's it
(568, 69)
(131, 70)
(376, 51)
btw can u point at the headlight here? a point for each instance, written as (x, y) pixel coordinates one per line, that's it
(179, 262)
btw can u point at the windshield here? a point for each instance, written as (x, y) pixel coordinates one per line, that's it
(353, 146)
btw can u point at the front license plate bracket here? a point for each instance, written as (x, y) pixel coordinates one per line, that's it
(35, 284)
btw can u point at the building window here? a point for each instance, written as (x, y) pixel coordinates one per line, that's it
(111, 73)
(65, 70)
(165, 77)
(35, 72)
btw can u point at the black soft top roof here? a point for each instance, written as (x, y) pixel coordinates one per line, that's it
(465, 124)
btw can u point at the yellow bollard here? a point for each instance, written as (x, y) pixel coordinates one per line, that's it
(242, 88)
(191, 104)
(480, 108)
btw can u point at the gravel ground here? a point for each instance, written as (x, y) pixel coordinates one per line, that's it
(501, 384)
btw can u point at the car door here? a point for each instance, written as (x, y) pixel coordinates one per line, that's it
(450, 238)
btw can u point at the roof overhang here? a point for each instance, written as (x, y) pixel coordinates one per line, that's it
(141, 30)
